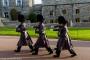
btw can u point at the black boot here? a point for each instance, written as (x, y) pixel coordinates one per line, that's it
(57, 53)
(49, 50)
(35, 51)
(18, 49)
(31, 47)
(73, 53)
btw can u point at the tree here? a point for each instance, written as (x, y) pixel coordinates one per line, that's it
(32, 17)
(13, 14)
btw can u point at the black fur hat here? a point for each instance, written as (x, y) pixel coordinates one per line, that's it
(40, 18)
(62, 20)
(21, 18)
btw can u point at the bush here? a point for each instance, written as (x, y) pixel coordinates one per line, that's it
(13, 14)
(32, 17)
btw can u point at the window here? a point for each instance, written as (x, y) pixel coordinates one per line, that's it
(51, 21)
(6, 14)
(85, 20)
(77, 19)
(5, 3)
(77, 11)
(51, 13)
(18, 2)
(64, 11)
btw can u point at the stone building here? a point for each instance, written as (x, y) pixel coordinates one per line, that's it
(0, 8)
(73, 10)
(22, 6)
(37, 8)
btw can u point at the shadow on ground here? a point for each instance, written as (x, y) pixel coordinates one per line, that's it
(26, 55)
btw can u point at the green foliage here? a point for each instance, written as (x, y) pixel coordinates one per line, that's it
(32, 17)
(13, 14)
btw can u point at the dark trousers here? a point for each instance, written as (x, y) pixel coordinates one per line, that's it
(47, 48)
(19, 47)
(42, 42)
(60, 46)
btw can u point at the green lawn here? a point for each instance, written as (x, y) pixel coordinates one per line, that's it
(75, 33)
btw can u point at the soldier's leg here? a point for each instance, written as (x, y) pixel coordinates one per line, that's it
(70, 49)
(31, 47)
(35, 50)
(60, 44)
(72, 52)
(58, 51)
(49, 49)
(36, 47)
(18, 49)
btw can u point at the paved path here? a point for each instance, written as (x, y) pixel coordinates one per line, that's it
(8, 44)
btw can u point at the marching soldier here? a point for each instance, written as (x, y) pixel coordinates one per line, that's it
(42, 40)
(25, 38)
(64, 40)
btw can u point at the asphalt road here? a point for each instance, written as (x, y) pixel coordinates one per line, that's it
(8, 45)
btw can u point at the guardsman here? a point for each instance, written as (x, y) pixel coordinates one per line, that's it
(64, 41)
(25, 39)
(42, 40)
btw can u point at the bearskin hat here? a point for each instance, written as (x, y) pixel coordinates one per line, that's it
(21, 18)
(40, 18)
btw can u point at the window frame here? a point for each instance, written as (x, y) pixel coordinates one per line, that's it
(51, 13)
(6, 14)
(77, 11)
(77, 20)
(4, 3)
(64, 11)
(20, 3)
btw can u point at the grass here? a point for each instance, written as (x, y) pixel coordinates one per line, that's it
(75, 33)
(80, 33)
